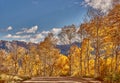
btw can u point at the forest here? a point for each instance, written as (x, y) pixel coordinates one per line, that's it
(97, 57)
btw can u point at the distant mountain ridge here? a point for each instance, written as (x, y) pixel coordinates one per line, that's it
(8, 46)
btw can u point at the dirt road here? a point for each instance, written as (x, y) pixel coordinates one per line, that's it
(61, 80)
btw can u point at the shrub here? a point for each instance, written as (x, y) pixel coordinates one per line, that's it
(115, 77)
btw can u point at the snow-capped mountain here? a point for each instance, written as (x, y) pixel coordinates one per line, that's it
(65, 38)
(66, 35)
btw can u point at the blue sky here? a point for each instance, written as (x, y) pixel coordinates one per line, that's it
(18, 15)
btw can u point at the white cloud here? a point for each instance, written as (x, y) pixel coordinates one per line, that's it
(19, 33)
(30, 30)
(9, 28)
(36, 37)
(103, 5)
(17, 36)
(8, 36)
(41, 36)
